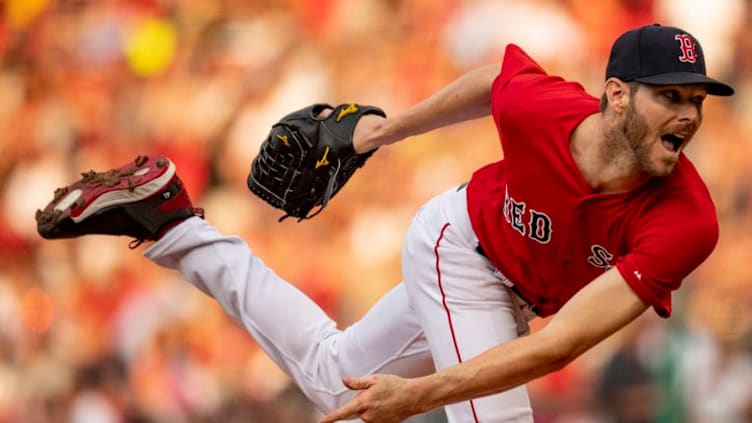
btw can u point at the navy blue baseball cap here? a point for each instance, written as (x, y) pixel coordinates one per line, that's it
(661, 55)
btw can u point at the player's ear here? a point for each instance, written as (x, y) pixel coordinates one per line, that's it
(617, 94)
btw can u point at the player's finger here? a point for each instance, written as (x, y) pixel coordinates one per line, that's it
(324, 113)
(348, 411)
(356, 382)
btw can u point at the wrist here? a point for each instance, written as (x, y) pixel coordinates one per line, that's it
(426, 392)
(368, 133)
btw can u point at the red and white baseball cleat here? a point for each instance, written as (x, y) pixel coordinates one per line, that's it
(140, 199)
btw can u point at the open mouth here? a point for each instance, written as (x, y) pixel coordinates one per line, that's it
(672, 142)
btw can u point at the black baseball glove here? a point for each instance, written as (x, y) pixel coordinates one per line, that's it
(306, 159)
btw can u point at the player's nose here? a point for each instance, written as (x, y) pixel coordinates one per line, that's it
(690, 114)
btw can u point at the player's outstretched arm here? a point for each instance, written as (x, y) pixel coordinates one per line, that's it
(466, 98)
(597, 311)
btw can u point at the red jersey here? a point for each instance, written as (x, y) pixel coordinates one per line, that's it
(539, 221)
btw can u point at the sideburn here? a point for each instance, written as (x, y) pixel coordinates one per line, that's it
(623, 143)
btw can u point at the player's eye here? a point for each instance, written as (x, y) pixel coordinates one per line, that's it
(672, 95)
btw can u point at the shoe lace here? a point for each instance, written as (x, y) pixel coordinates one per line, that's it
(136, 243)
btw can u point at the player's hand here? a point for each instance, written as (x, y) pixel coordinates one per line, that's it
(364, 135)
(382, 398)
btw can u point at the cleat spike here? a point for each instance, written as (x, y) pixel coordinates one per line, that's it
(59, 193)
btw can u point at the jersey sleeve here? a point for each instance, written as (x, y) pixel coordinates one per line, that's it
(519, 67)
(674, 238)
(523, 93)
(516, 63)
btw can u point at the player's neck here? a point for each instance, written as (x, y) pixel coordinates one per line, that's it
(608, 168)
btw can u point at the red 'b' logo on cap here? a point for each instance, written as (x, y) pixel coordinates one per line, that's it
(687, 45)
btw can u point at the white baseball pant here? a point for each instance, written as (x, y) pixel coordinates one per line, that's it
(450, 307)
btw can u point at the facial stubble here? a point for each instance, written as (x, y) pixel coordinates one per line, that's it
(627, 145)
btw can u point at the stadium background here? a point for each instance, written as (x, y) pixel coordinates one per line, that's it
(93, 332)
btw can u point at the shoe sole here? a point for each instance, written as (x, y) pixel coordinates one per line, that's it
(96, 192)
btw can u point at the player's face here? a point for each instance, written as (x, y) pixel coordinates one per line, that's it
(660, 122)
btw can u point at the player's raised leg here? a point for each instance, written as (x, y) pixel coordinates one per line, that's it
(291, 328)
(144, 198)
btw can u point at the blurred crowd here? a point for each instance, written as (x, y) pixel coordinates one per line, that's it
(90, 331)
